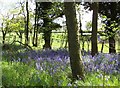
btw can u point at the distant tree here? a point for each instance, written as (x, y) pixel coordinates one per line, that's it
(25, 13)
(24, 16)
(88, 38)
(4, 32)
(43, 10)
(5, 26)
(17, 25)
(73, 41)
(35, 34)
(111, 11)
(48, 12)
(27, 24)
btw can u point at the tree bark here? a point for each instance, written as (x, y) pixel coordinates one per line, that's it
(66, 40)
(27, 25)
(102, 47)
(94, 29)
(34, 42)
(20, 36)
(73, 41)
(3, 38)
(112, 37)
(4, 33)
(34, 33)
(47, 37)
(47, 31)
(112, 45)
(46, 34)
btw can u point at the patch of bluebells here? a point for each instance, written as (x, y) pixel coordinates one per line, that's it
(56, 61)
(108, 63)
(52, 61)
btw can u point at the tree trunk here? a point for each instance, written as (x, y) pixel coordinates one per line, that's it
(112, 45)
(88, 45)
(34, 33)
(47, 37)
(94, 29)
(73, 41)
(62, 40)
(20, 36)
(47, 31)
(27, 25)
(3, 38)
(33, 38)
(36, 38)
(46, 34)
(83, 44)
(34, 42)
(4, 34)
(102, 47)
(66, 39)
(112, 37)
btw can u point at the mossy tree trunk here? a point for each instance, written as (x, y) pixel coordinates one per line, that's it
(73, 41)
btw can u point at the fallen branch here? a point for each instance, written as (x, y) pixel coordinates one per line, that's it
(27, 46)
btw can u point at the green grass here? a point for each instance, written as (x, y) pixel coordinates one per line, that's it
(97, 79)
(58, 38)
(19, 74)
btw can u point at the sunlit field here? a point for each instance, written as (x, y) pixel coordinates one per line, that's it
(58, 40)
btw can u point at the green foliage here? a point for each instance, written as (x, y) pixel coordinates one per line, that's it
(17, 24)
(19, 74)
(16, 74)
(98, 79)
(89, 25)
(48, 12)
(5, 24)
